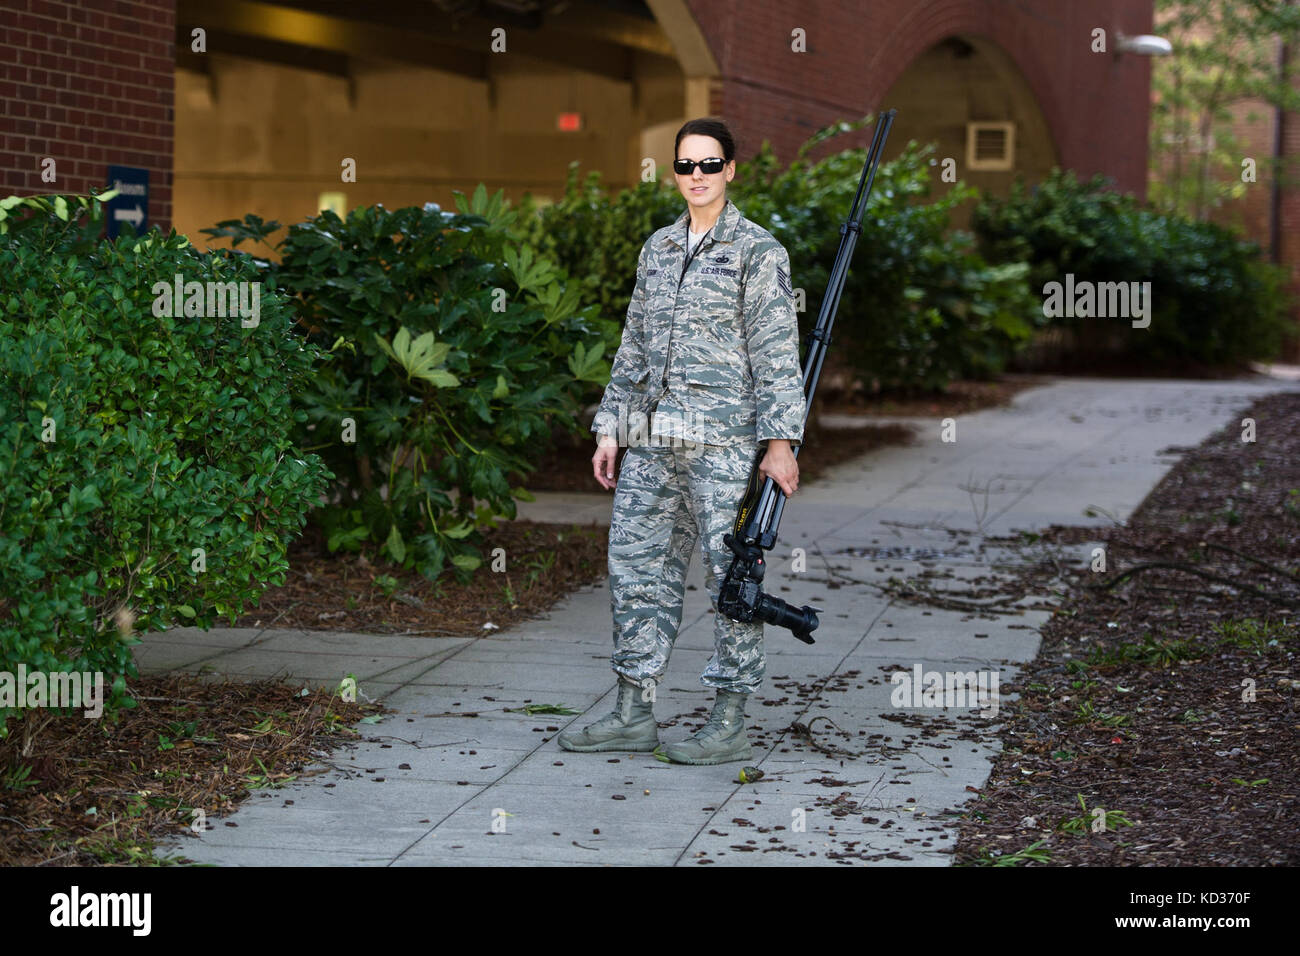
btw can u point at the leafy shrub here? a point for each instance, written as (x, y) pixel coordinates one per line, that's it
(919, 307)
(1215, 302)
(453, 346)
(129, 439)
(596, 238)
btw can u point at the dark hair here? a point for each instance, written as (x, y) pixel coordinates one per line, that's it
(708, 127)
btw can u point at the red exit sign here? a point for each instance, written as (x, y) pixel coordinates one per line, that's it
(568, 122)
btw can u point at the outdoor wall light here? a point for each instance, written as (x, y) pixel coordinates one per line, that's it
(1144, 45)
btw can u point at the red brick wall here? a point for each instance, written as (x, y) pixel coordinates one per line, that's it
(1095, 105)
(87, 83)
(90, 82)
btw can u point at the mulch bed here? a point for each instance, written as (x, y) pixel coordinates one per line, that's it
(102, 792)
(1165, 692)
(342, 591)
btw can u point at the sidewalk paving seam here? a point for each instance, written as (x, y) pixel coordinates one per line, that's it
(484, 789)
(447, 655)
(926, 472)
(228, 650)
(776, 743)
(1055, 470)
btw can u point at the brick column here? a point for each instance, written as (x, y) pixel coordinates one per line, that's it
(87, 84)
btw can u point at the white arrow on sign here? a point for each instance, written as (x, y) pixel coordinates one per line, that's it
(134, 216)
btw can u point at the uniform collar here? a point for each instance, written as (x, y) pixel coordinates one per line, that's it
(724, 229)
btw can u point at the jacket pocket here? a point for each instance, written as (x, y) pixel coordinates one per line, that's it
(711, 372)
(718, 400)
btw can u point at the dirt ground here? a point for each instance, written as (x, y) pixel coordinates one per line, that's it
(1159, 723)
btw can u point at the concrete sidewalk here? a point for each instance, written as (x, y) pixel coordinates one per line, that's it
(433, 784)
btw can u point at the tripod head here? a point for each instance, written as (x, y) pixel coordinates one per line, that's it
(742, 599)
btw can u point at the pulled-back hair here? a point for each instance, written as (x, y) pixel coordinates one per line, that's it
(708, 127)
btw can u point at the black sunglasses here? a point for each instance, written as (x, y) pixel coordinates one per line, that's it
(684, 167)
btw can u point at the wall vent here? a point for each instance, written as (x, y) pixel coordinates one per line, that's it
(990, 146)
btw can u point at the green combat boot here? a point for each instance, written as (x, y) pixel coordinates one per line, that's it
(721, 740)
(630, 727)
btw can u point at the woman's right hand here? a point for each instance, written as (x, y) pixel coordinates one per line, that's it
(605, 460)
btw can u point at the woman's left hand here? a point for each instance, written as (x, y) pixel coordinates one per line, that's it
(780, 465)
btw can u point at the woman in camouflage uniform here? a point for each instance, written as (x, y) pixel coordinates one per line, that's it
(709, 367)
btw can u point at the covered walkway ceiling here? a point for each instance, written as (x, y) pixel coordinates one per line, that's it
(601, 38)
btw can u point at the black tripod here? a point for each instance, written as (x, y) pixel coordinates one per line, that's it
(741, 597)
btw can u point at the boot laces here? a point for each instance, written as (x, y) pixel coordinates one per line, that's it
(717, 725)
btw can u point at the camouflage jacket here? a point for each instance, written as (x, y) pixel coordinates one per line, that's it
(713, 358)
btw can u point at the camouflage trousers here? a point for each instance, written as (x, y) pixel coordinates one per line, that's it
(669, 496)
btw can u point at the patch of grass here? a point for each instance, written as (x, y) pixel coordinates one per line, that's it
(1149, 651)
(539, 565)
(1110, 819)
(1086, 713)
(1249, 634)
(17, 778)
(107, 847)
(1031, 853)
(266, 780)
(182, 730)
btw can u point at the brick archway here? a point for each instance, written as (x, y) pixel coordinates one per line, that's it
(928, 24)
(1095, 106)
(966, 79)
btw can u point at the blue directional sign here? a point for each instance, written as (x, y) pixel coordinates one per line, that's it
(131, 204)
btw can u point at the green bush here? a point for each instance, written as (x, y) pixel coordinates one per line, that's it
(453, 346)
(129, 439)
(596, 238)
(1215, 302)
(919, 308)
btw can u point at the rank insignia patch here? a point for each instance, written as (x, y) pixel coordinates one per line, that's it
(783, 281)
